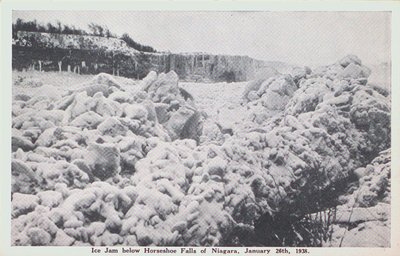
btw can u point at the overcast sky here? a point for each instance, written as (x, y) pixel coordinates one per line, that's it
(308, 38)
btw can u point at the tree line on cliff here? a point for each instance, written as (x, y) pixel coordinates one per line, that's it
(59, 28)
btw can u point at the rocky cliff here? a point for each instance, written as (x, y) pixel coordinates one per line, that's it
(92, 54)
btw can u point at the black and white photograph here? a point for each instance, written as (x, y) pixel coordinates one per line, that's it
(169, 129)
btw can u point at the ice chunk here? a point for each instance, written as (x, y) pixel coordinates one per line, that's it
(62, 239)
(38, 236)
(162, 112)
(347, 60)
(148, 81)
(252, 96)
(87, 120)
(22, 97)
(112, 127)
(50, 198)
(22, 143)
(355, 71)
(19, 168)
(23, 203)
(136, 111)
(184, 123)
(121, 97)
(102, 82)
(103, 160)
(217, 166)
(107, 79)
(106, 107)
(274, 101)
(250, 87)
(165, 89)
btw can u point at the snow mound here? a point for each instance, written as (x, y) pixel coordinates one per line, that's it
(365, 215)
(102, 82)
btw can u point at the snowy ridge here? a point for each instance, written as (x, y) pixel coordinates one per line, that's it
(69, 41)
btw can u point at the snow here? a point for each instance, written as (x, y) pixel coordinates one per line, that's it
(179, 119)
(103, 160)
(50, 198)
(116, 162)
(21, 143)
(121, 97)
(370, 234)
(63, 239)
(355, 71)
(88, 119)
(136, 111)
(345, 61)
(148, 81)
(112, 127)
(217, 166)
(38, 236)
(23, 203)
(49, 91)
(101, 83)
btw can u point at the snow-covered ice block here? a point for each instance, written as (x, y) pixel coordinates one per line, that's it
(50, 198)
(23, 203)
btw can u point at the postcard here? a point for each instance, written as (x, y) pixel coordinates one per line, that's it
(241, 128)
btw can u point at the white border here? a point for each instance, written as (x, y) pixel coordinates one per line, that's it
(168, 5)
